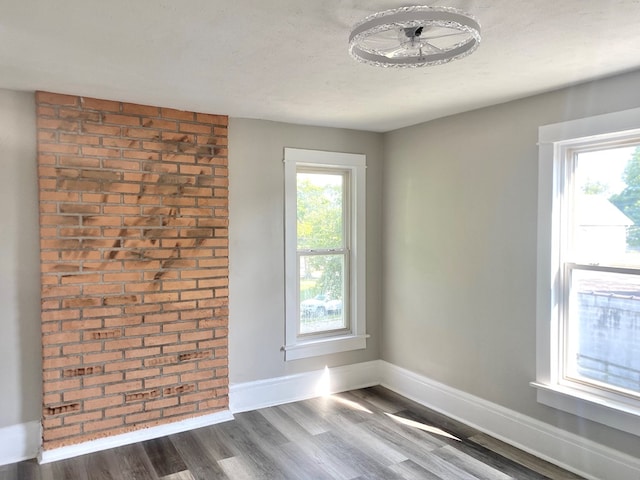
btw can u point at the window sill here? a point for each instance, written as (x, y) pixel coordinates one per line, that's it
(324, 346)
(618, 415)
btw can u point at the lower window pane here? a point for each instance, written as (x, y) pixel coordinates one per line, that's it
(603, 330)
(322, 293)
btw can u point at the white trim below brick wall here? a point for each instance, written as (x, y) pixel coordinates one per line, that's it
(291, 388)
(572, 452)
(46, 456)
(19, 442)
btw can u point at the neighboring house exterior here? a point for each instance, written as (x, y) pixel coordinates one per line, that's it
(601, 225)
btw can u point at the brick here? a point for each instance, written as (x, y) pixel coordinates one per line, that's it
(161, 317)
(67, 161)
(56, 386)
(193, 336)
(140, 417)
(161, 297)
(123, 387)
(82, 418)
(179, 326)
(75, 114)
(100, 152)
(100, 129)
(160, 340)
(180, 410)
(55, 433)
(143, 373)
(102, 379)
(120, 411)
(121, 119)
(146, 133)
(125, 344)
(177, 114)
(103, 357)
(134, 109)
(120, 366)
(102, 424)
(56, 99)
(58, 338)
(58, 148)
(200, 313)
(196, 294)
(198, 128)
(120, 142)
(79, 139)
(122, 277)
(195, 376)
(163, 403)
(79, 208)
(142, 352)
(179, 348)
(101, 288)
(82, 394)
(61, 125)
(45, 112)
(97, 104)
(103, 402)
(159, 124)
(161, 381)
(59, 362)
(81, 348)
(81, 278)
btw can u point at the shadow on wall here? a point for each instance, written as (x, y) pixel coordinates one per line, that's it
(28, 270)
(20, 314)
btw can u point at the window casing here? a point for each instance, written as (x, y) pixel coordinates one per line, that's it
(588, 281)
(324, 252)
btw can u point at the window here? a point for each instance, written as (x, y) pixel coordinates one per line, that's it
(588, 333)
(325, 252)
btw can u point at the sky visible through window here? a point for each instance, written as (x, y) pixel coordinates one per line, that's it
(605, 167)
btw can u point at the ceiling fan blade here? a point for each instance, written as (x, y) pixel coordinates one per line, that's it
(434, 36)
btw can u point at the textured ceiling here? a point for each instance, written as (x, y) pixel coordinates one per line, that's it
(287, 60)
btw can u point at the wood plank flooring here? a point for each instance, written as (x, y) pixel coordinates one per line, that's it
(370, 433)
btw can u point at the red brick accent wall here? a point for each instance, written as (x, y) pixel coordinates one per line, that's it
(134, 254)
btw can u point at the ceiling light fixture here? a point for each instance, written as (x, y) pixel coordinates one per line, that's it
(414, 37)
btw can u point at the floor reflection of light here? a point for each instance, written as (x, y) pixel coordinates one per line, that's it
(350, 404)
(421, 426)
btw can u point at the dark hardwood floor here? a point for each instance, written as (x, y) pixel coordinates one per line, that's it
(370, 433)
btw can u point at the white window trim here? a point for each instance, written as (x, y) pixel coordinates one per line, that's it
(622, 415)
(295, 347)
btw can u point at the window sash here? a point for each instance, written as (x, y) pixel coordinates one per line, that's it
(346, 300)
(573, 258)
(345, 202)
(569, 349)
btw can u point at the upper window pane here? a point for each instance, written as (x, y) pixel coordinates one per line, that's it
(320, 210)
(606, 207)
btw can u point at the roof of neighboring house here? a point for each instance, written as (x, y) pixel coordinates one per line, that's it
(596, 210)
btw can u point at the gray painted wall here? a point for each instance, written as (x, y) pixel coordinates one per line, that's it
(256, 229)
(458, 226)
(20, 353)
(460, 207)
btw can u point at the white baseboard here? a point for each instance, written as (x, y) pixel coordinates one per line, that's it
(584, 457)
(572, 452)
(46, 456)
(292, 388)
(19, 442)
